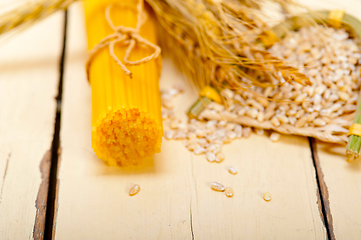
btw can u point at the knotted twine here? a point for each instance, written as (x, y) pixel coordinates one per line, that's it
(128, 36)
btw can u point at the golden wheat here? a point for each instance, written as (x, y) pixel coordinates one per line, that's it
(29, 13)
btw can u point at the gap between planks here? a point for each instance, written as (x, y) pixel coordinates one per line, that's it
(325, 210)
(190, 204)
(55, 151)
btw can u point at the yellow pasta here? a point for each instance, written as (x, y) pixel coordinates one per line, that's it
(126, 112)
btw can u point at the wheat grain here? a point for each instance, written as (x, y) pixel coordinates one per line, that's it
(216, 186)
(134, 190)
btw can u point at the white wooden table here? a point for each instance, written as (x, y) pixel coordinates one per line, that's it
(71, 194)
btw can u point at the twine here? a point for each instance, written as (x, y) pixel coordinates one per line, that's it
(128, 36)
(355, 129)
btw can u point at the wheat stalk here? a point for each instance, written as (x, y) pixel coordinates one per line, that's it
(29, 13)
(219, 43)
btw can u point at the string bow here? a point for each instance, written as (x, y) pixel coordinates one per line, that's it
(128, 36)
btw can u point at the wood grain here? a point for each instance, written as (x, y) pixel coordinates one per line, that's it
(29, 75)
(42, 197)
(175, 200)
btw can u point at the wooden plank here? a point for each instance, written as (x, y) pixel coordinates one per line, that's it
(29, 75)
(175, 201)
(284, 169)
(343, 191)
(342, 181)
(112, 214)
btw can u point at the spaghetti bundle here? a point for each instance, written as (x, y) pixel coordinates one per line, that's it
(123, 71)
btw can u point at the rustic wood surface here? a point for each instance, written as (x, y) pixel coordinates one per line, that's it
(29, 75)
(316, 194)
(175, 201)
